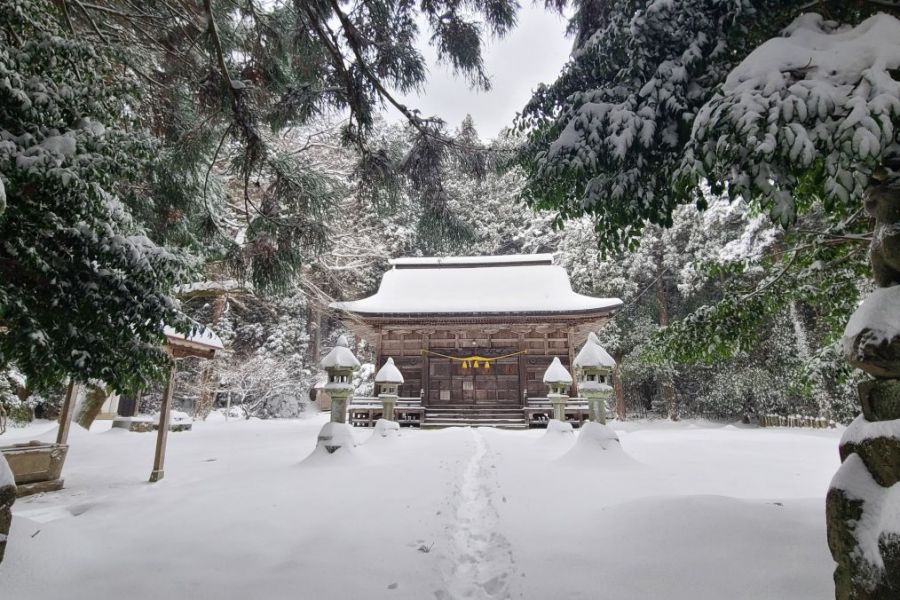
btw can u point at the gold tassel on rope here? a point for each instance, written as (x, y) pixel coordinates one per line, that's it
(475, 361)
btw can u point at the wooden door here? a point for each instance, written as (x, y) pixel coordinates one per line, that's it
(498, 385)
(449, 383)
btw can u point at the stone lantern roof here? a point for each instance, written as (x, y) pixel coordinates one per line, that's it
(592, 354)
(389, 373)
(557, 373)
(340, 357)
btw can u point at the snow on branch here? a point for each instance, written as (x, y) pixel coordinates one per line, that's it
(813, 112)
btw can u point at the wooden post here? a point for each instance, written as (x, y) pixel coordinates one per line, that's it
(165, 411)
(426, 378)
(65, 415)
(571, 343)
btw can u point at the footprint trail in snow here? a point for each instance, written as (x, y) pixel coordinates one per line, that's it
(480, 564)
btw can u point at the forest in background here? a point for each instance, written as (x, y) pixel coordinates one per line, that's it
(231, 157)
(274, 339)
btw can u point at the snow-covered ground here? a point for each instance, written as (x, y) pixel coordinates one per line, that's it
(702, 511)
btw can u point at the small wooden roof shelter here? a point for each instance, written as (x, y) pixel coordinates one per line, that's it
(201, 344)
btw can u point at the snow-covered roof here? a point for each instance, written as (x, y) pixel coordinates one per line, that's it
(508, 259)
(389, 373)
(206, 338)
(592, 354)
(340, 356)
(556, 373)
(476, 285)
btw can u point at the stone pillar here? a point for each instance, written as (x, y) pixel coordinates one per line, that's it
(339, 401)
(594, 386)
(860, 498)
(388, 403)
(558, 402)
(339, 364)
(558, 380)
(594, 366)
(388, 378)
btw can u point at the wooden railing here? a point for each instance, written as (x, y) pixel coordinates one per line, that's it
(409, 412)
(365, 411)
(795, 421)
(538, 411)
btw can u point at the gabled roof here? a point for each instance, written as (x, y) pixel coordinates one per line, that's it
(204, 338)
(480, 285)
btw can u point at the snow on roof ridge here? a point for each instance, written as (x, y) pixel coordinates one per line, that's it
(202, 336)
(503, 288)
(503, 259)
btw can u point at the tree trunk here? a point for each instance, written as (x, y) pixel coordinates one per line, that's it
(618, 388)
(314, 330)
(204, 404)
(859, 500)
(666, 385)
(91, 405)
(820, 393)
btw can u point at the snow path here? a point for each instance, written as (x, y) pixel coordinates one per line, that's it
(451, 514)
(481, 564)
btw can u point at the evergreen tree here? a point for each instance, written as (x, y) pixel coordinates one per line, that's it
(83, 290)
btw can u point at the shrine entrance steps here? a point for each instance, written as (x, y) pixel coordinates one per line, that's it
(455, 415)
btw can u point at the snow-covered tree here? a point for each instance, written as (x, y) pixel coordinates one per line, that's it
(665, 98)
(83, 292)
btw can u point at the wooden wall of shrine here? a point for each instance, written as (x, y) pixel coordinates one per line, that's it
(507, 382)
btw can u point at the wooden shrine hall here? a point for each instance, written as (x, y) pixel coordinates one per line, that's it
(472, 336)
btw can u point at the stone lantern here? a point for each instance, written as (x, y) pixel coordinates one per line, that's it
(594, 367)
(558, 380)
(388, 379)
(340, 365)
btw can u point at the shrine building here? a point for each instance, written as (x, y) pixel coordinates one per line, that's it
(475, 333)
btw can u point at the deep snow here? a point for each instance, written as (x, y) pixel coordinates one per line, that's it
(702, 511)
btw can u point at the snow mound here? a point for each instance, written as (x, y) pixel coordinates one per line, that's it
(557, 432)
(598, 445)
(335, 445)
(385, 429)
(555, 427)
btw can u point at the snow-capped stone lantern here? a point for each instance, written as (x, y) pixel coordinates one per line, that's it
(594, 367)
(388, 379)
(340, 365)
(558, 379)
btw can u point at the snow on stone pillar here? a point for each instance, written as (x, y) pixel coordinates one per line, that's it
(388, 379)
(340, 364)
(863, 496)
(594, 367)
(558, 379)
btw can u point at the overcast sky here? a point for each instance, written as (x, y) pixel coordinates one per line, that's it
(531, 54)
